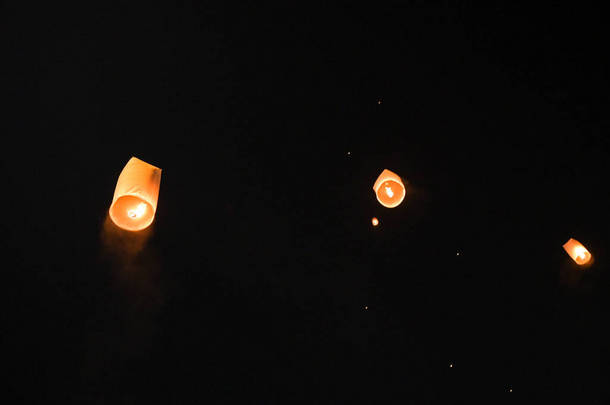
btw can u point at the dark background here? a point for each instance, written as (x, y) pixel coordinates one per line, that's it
(252, 283)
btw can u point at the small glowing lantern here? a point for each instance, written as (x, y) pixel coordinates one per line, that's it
(375, 221)
(577, 251)
(135, 197)
(389, 189)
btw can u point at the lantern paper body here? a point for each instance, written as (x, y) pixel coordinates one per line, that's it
(375, 221)
(389, 189)
(577, 251)
(135, 197)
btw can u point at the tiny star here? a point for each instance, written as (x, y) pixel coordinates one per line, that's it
(366, 307)
(349, 153)
(457, 254)
(450, 365)
(379, 101)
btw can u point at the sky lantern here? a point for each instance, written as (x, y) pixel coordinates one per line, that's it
(375, 221)
(577, 251)
(389, 189)
(135, 197)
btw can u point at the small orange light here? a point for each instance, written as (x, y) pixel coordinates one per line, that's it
(577, 251)
(375, 221)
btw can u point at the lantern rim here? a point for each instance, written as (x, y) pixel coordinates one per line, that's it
(395, 203)
(130, 224)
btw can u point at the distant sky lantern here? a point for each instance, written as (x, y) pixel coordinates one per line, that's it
(135, 197)
(375, 221)
(389, 189)
(577, 251)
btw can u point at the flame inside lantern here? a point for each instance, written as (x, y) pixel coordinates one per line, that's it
(389, 189)
(135, 197)
(577, 251)
(137, 212)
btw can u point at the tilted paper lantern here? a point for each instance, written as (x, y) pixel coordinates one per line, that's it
(577, 251)
(135, 197)
(389, 189)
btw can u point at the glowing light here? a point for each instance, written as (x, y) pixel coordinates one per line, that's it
(577, 252)
(450, 365)
(137, 212)
(389, 192)
(375, 221)
(393, 189)
(135, 196)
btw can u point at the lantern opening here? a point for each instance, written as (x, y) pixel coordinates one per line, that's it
(131, 213)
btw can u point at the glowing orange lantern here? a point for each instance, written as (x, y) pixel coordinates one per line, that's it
(375, 221)
(389, 189)
(135, 197)
(577, 251)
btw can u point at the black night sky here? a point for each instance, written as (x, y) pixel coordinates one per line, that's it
(261, 280)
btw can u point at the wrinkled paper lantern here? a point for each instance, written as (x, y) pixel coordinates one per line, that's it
(577, 251)
(389, 189)
(135, 197)
(375, 221)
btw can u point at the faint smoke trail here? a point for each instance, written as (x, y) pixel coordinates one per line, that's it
(120, 245)
(126, 327)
